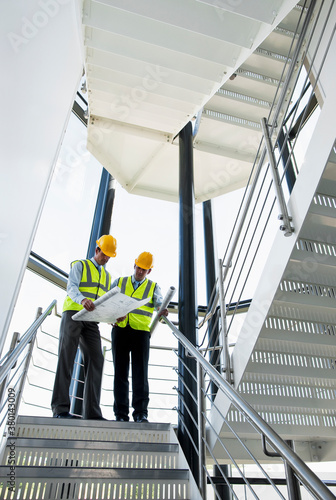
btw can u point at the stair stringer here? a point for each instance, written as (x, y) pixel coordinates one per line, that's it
(182, 463)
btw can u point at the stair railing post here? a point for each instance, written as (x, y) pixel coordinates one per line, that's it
(226, 366)
(26, 367)
(286, 226)
(201, 408)
(3, 384)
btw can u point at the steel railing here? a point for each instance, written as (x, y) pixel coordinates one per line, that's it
(248, 417)
(14, 368)
(206, 404)
(39, 375)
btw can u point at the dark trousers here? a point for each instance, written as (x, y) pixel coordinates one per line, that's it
(128, 343)
(86, 335)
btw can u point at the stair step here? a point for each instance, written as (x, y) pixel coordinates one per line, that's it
(92, 430)
(309, 295)
(309, 310)
(302, 340)
(68, 453)
(312, 261)
(291, 345)
(56, 483)
(273, 403)
(327, 185)
(289, 423)
(303, 366)
(324, 205)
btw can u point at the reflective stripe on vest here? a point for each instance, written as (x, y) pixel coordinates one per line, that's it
(92, 284)
(140, 318)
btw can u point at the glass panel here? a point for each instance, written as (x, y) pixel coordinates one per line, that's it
(35, 292)
(64, 229)
(143, 224)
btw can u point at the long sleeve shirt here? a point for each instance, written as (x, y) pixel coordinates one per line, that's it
(75, 276)
(157, 295)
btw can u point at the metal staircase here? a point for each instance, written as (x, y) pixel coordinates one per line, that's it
(290, 378)
(77, 459)
(284, 357)
(150, 68)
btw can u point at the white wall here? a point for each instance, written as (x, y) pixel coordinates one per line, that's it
(41, 65)
(325, 24)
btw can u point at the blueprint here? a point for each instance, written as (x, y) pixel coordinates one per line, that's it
(111, 306)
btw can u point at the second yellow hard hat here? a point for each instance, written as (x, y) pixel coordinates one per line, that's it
(145, 260)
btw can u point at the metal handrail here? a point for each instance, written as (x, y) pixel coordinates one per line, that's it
(26, 339)
(169, 295)
(261, 154)
(304, 473)
(164, 407)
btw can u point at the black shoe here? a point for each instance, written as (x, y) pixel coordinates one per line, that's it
(65, 414)
(140, 419)
(121, 419)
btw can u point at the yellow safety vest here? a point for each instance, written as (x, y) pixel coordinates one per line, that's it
(92, 285)
(140, 318)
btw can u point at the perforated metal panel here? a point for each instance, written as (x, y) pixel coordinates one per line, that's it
(82, 459)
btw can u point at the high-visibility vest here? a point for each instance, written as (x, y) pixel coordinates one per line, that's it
(92, 285)
(140, 318)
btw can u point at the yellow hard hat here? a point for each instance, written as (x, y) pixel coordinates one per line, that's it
(145, 260)
(108, 245)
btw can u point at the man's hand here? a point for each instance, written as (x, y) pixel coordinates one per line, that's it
(120, 319)
(88, 304)
(164, 312)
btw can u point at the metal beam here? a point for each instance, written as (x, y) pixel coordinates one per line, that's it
(47, 271)
(226, 152)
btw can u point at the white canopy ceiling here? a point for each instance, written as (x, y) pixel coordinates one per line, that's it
(153, 66)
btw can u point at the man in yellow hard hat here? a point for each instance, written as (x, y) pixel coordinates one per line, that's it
(130, 337)
(88, 280)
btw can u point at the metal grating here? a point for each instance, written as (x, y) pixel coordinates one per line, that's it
(300, 326)
(104, 433)
(60, 453)
(297, 419)
(83, 486)
(75, 468)
(319, 290)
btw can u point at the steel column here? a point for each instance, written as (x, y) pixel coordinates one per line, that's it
(106, 220)
(100, 225)
(187, 308)
(286, 160)
(293, 484)
(223, 491)
(210, 277)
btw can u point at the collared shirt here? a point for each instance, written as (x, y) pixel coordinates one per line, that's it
(75, 276)
(157, 296)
